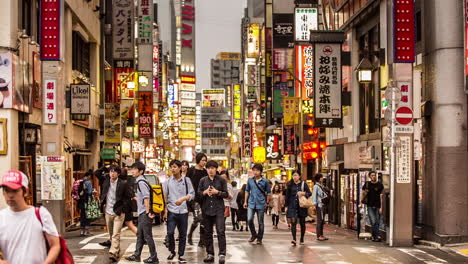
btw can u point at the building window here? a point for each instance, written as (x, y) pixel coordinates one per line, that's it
(80, 56)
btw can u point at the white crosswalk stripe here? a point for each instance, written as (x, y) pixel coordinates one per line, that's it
(422, 256)
(329, 255)
(84, 259)
(376, 255)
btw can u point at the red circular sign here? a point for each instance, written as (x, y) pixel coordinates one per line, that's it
(404, 115)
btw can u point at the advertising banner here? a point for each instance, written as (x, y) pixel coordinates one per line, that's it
(119, 75)
(327, 94)
(145, 114)
(289, 138)
(213, 98)
(280, 91)
(122, 30)
(305, 20)
(52, 178)
(246, 139)
(305, 70)
(253, 40)
(112, 123)
(283, 31)
(237, 102)
(50, 102)
(51, 14)
(6, 80)
(80, 99)
(272, 147)
(291, 110)
(404, 29)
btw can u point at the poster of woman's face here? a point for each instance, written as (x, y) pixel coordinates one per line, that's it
(6, 80)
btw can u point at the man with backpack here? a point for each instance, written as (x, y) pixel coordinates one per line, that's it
(82, 190)
(145, 215)
(24, 238)
(178, 190)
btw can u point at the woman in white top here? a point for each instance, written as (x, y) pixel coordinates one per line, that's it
(227, 201)
(276, 203)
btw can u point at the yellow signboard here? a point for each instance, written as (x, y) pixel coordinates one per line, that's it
(237, 102)
(187, 134)
(291, 110)
(259, 154)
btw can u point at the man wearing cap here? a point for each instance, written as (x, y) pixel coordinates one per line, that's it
(21, 230)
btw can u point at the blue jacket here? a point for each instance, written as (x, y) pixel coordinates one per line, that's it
(257, 198)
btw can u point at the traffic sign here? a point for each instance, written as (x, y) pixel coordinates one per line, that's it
(404, 129)
(404, 115)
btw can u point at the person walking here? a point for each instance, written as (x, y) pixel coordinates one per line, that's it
(145, 216)
(86, 193)
(130, 205)
(241, 211)
(227, 201)
(257, 196)
(185, 168)
(296, 188)
(374, 189)
(195, 174)
(114, 195)
(23, 238)
(233, 205)
(276, 202)
(317, 196)
(178, 191)
(213, 189)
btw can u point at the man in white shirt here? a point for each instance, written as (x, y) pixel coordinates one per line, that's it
(22, 237)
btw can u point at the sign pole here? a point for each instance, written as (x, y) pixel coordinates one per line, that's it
(392, 162)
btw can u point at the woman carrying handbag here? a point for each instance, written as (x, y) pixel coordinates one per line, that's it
(296, 189)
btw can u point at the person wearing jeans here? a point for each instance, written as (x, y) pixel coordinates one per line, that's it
(317, 195)
(145, 216)
(178, 190)
(257, 196)
(374, 204)
(213, 189)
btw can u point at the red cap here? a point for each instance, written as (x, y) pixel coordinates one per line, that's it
(14, 179)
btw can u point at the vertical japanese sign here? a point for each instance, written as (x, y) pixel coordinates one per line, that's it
(279, 91)
(253, 40)
(404, 160)
(80, 99)
(50, 102)
(247, 139)
(122, 30)
(145, 22)
(305, 20)
(237, 108)
(289, 138)
(283, 31)
(291, 110)
(406, 94)
(52, 178)
(50, 29)
(145, 114)
(305, 70)
(403, 40)
(327, 92)
(112, 123)
(272, 147)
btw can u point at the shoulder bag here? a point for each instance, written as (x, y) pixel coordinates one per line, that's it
(365, 193)
(305, 202)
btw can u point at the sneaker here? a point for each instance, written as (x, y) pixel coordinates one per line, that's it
(209, 259)
(259, 242)
(182, 259)
(252, 239)
(242, 228)
(106, 243)
(171, 256)
(222, 259)
(133, 258)
(151, 260)
(293, 243)
(113, 258)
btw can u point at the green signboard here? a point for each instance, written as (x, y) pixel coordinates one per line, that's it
(107, 154)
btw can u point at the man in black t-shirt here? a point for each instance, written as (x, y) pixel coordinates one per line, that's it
(195, 174)
(374, 204)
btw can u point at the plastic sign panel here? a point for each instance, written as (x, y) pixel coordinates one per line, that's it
(305, 20)
(145, 114)
(272, 147)
(253, 40)
(80, 99)
(50, 102)
(52, 177)
(122, 29)
(289, 138)
(305, 70)
(213, 98)
(237, 102)
(50, 29)
(246, 139)
(404, 28)
(327, 92)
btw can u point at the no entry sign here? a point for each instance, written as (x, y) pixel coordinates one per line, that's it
(404, 115)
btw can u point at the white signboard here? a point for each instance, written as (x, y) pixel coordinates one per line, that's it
(404, 129)
(188, 103)
(305, 20)
(50, 102)
(327, 92)
(52, 178)
(80, 99)
(187, 87)
(122, 29)
(404, 160)
(406, 94)
(188, 95)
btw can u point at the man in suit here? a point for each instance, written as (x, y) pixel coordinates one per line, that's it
(114, 196)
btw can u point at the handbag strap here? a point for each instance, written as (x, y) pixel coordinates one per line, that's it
(261, 190)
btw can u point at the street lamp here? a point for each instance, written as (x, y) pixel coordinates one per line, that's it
(364, 70)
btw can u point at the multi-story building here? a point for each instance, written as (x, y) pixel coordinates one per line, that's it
(225, 69)
(39, 96)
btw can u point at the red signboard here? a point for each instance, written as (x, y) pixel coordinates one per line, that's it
(404, 28)
(50, 29)
(272, 147)
(305, 71)
(145, 114)
(404, 115)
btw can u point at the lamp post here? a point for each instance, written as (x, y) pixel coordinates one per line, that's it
(364, 70)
